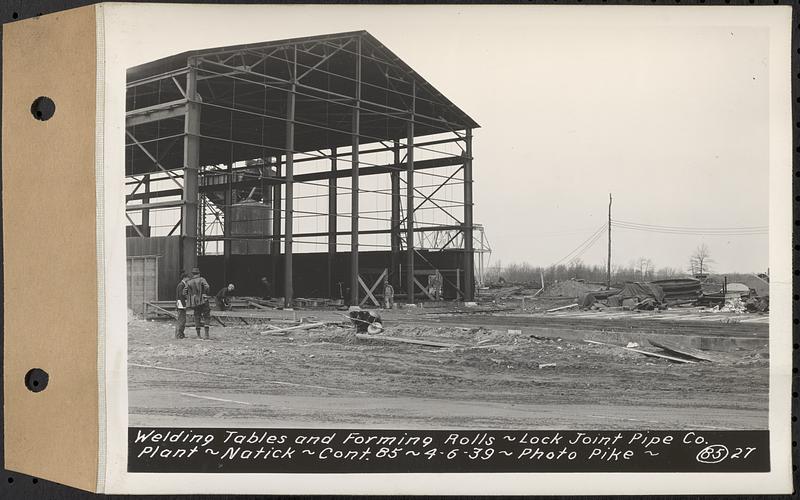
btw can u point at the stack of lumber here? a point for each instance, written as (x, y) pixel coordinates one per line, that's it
(680, 289)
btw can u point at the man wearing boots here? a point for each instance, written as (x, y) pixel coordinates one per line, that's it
(197, 298)
(180, 303)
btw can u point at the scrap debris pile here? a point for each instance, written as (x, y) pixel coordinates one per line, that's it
(663, 294)
(707, 294)
(632, 296)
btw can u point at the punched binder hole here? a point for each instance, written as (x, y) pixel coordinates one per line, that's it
(36, 380)
(43, 108)
(14, 15)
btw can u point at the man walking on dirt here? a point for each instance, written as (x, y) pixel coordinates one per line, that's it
(388, 294)
(197, 298)
(180, 304)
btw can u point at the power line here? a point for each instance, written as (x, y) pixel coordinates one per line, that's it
(689, 227)
(692, 231)
(580, 248)
(589, 245)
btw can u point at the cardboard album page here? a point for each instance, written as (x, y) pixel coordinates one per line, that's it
(52, 235)
(304, 249)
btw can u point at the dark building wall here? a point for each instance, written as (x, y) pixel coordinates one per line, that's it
(310, 269)
(311, 272)
(167, 248)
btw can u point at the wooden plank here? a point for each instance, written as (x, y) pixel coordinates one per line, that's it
(685, 351)
(283, 331)
(369, 293)
(253, 314)
(423, 288)
(242, 315)
(571, 306)
(354, 319)
(492, 346)
(374, 286)
(162, 310)
(385, 338)
(476, 310)
(646, 353)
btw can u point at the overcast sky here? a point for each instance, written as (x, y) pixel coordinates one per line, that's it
(667, 112)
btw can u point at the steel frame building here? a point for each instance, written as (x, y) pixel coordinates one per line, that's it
(268, 119)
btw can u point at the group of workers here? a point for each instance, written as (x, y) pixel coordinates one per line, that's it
(192, 292)
(435, 283)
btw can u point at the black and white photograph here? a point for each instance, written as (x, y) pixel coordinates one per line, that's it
(457, 219)
(420, 249)
(315, 209)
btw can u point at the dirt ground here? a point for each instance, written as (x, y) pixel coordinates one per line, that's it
(325, 377)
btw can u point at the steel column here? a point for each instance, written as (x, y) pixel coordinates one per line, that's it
(394, 177)
(226, 228)
(354, 193)
(191, 160)
(275, 243)
(288, 224)
(410, 202)
(332, 225)
(145, 225)
(267, 194)
(469, 254)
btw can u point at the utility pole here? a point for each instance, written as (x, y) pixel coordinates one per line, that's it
(608, 272)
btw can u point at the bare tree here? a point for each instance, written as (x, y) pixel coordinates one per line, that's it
(700, 261)
(644, 267)
(668, 272)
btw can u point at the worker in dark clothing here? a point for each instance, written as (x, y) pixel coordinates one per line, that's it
(266, 288)
(388, 294)
(223, 298)
(197, 299)
(180, 304)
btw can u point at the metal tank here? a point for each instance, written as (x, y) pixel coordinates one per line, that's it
(249, 219)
